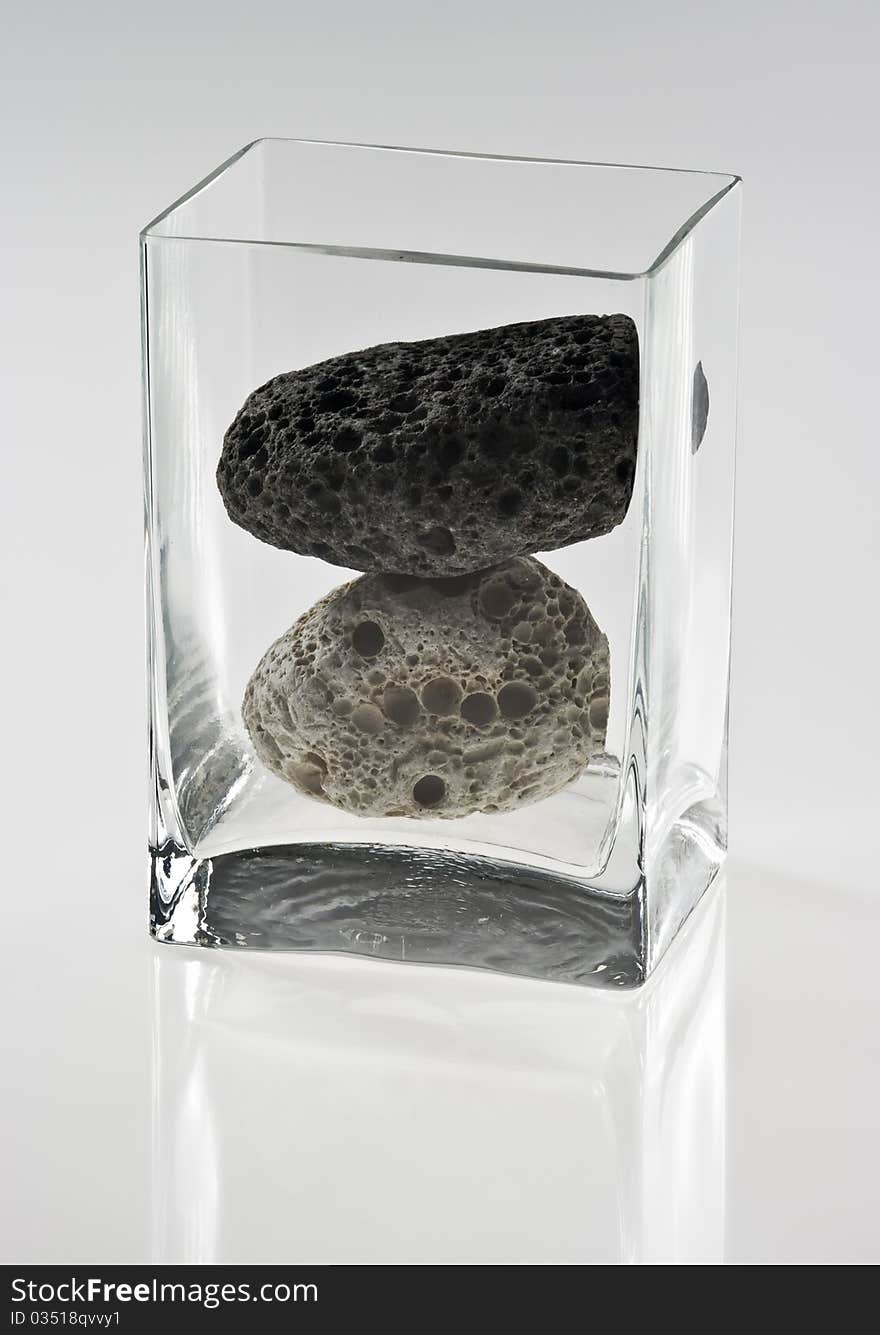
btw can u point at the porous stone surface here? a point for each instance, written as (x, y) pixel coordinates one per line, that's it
(444, 456)
(400, 696)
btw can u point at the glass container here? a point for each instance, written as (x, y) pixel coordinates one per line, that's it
(439, 459)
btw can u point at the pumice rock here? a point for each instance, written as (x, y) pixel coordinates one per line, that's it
(399, 696)
(443, 456)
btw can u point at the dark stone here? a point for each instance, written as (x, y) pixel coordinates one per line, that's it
(699, 407)
(444, 456)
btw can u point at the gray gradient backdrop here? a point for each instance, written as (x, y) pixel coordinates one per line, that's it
(109, 111)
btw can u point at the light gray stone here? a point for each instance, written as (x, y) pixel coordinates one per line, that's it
(399, 696)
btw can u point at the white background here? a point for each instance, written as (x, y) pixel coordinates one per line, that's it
(110, 110)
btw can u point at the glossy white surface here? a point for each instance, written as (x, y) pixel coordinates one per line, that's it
(182, 1105)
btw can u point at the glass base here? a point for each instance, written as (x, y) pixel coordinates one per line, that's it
(408, 904)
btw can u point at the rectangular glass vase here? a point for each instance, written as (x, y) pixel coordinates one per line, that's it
(506, 390)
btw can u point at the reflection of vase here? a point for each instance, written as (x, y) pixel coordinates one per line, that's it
(336, 1112)
(296, 254)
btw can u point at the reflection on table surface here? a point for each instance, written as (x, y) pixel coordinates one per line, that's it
(327, 1109)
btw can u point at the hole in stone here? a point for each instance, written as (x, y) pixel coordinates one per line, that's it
(441, 695)
(479, 708)
(336, 400)
(496, 599)
(310, 773)
(368, 639)
(386, 423)
(346, 440)
(368, 718)
(251, 443)
(439, 541)
(401, 705)
(429, 790)
(517, 699)
(599, 712)
(404, 403)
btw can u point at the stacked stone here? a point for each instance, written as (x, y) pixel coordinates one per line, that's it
(458, 674)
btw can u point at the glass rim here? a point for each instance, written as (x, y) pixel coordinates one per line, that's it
(731, 182)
